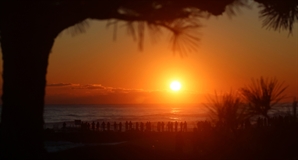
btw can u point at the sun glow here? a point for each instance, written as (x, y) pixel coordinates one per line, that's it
(175, 86)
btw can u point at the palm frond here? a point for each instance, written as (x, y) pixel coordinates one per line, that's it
(279, 15)
(227, 110)
(262, 94)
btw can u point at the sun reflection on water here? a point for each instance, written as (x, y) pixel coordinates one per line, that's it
(175, 110)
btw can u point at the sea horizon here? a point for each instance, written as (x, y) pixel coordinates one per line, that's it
(154, 112)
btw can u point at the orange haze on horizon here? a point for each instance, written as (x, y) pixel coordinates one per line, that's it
(92, 68)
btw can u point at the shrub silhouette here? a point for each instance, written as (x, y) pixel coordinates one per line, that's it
(227, 111)
(262, 94)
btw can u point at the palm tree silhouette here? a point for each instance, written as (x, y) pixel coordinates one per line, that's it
(263, 94)
(28, 30)
(227, 111)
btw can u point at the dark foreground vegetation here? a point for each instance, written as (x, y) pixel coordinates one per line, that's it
(259, 141)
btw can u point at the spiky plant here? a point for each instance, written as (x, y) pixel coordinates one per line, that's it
(227, 110)
(263, 94)
(279, 15)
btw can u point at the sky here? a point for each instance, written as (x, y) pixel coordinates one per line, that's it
(95, 68)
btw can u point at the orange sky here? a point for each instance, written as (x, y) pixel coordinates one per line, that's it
(93, 68)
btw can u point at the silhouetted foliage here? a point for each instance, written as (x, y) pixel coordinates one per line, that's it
(227, 111)
(182, 18)
(279, 15)
(263, 94)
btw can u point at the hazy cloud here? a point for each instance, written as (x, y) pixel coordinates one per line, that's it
(105, 88)
(65, 93)
(58, 84)
(89, 86)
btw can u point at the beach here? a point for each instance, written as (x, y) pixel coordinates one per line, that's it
(82, 141)
(251, 143)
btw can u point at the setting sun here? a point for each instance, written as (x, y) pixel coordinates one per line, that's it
(175, 86)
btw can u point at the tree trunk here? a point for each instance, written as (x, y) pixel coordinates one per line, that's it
(25, 60)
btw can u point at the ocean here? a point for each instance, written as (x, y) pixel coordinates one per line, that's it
(191, 113)
(57, 114)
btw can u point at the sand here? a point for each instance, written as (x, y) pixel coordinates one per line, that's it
(265, 143)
